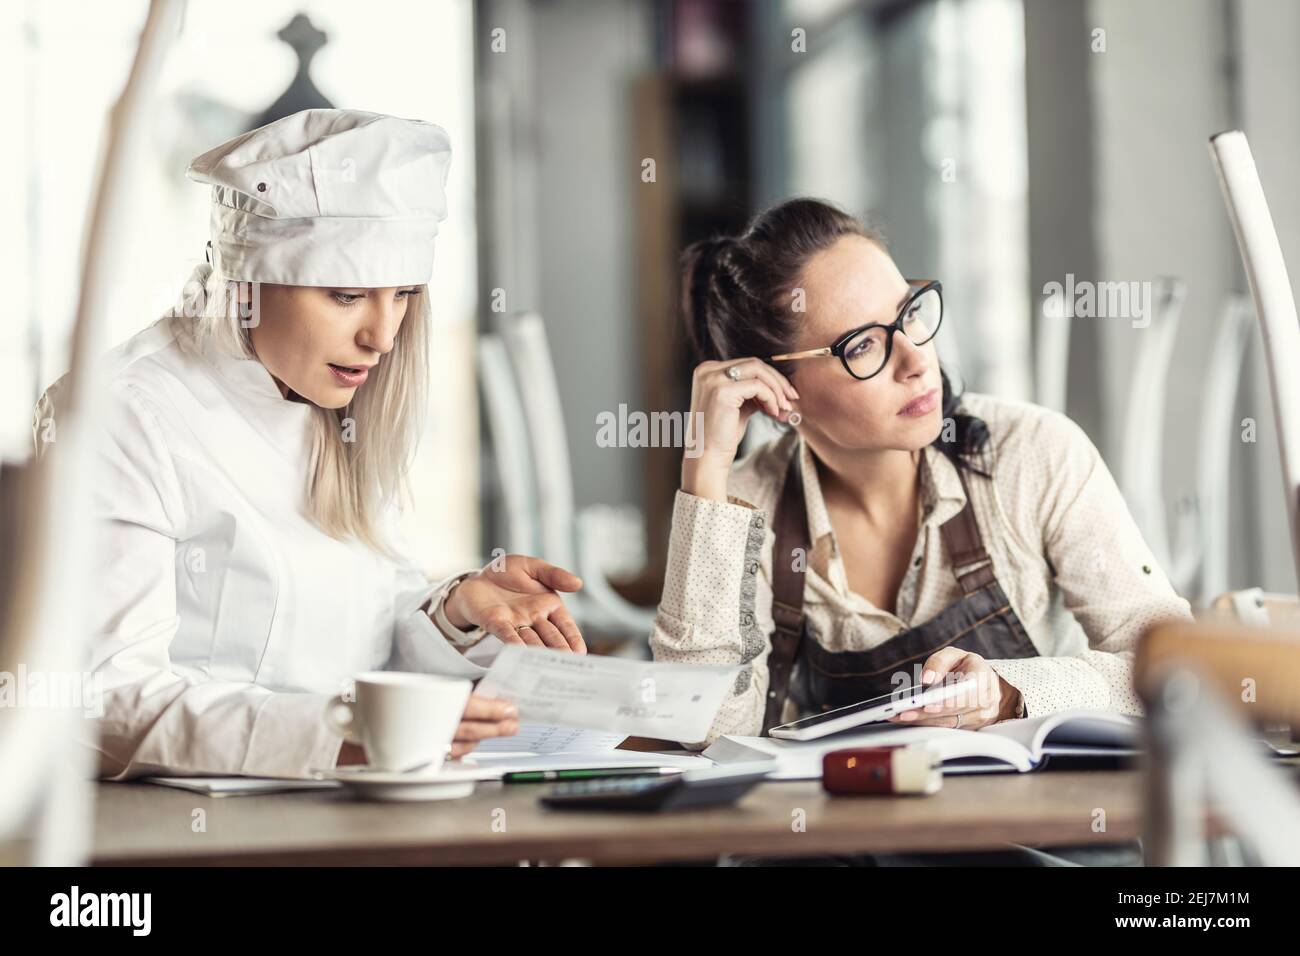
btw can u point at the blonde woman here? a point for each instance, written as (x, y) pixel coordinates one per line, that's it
(254, 463)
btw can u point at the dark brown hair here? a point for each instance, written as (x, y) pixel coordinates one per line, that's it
(736, 296)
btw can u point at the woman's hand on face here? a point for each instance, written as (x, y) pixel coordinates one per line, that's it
(987, 700)
(722, 406)
(514, 598)
(484, 717)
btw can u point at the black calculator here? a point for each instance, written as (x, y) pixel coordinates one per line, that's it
(689, 790)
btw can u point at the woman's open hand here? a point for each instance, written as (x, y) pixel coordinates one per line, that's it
(514, 598)
(987, 700)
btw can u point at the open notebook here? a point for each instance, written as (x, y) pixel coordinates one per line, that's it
(1070, 738)
(1011, 745)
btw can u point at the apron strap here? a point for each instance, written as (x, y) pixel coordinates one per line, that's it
(961, 536)
(787, 590)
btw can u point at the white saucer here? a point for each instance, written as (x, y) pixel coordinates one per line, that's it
(368, 783)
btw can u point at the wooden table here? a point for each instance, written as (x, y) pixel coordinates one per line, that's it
(150, 825)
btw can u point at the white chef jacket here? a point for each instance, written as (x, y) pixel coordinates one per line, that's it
(223, 619)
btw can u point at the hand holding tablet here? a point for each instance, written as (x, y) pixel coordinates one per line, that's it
(875, 710)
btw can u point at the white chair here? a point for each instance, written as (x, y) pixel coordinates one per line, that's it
(524, 337)
(46, 801)
(1051, 359)
(1142, 449)
(1261, 254)
(572, 540)
(511, 448)
(1214, 468)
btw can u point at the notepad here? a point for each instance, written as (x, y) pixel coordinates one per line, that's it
(239, 786)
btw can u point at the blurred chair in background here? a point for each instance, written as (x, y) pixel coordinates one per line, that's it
(1051, 359)
(1222, 378)
(1197, 558)
(1197, 555)
(1141, 471)
(1261, 254)
(511, 451)
(524, 410)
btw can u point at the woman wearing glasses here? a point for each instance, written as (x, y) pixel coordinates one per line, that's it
(898, 532)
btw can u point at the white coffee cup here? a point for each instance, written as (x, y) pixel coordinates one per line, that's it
(403, 720)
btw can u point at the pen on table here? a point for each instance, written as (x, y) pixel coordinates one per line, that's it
(546, 776)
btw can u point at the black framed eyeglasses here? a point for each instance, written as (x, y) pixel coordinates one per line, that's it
(865, 350)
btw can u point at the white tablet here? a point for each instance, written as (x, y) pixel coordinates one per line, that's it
(871, 711)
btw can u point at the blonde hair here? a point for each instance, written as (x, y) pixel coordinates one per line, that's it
(354, 481)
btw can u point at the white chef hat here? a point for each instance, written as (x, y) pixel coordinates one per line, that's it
(328, 198)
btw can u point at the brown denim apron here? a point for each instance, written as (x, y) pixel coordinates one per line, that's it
(817, 679)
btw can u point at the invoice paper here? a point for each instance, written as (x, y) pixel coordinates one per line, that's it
(614, 694)
(549, 739)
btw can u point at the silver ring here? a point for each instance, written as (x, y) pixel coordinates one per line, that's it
(957, 726)
(733, 373)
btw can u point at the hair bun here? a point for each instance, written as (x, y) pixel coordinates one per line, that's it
(701, 265)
